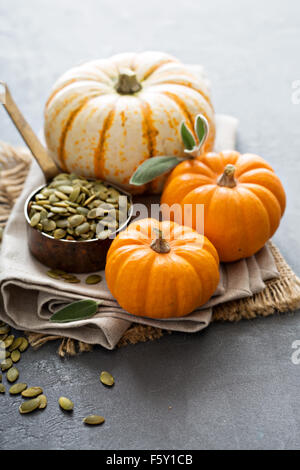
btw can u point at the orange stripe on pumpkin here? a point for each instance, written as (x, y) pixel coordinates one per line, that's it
(66, 129)
(149, 130)
(190, 85)
(181, 104)
(100, 150)
(156, 66)
(67, 83)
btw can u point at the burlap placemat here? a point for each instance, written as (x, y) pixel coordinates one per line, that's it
(280, 295)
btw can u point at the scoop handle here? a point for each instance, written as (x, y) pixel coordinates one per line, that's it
(39, 152)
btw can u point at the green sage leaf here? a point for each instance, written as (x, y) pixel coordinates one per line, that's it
(75, 311)
(152, 168)
(201, 128)
(187, 136)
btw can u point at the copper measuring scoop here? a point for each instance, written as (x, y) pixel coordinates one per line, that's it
(69, 255)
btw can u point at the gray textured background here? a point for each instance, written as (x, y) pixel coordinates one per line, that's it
(231, 386)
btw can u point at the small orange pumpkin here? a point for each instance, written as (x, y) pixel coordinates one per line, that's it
(243, 200)
(164, 275)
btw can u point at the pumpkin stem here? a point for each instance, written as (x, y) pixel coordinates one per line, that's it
(227, 179)
(127, 82)
(160, 244)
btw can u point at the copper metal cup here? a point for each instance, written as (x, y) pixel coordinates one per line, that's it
(70, 255)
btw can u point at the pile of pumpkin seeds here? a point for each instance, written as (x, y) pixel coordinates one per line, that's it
(74, 208)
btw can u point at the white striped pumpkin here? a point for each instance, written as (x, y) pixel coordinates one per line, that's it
(97, 128)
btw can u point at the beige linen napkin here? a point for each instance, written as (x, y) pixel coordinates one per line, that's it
(29, 296)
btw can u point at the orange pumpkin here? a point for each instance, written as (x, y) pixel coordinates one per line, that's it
(243, 200)
(161, 270)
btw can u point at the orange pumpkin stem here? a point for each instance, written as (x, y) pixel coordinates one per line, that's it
(127, 83)
(227, 179)
(160, 244)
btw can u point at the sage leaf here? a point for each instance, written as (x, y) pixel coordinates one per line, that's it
(153, 167)
(75, 311)
(187, 137)
(201, 128)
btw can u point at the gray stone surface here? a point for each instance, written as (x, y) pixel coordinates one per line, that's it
(231, 386)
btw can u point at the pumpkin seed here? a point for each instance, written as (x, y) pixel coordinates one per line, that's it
(66, 404)
(7, 354)
(63, 223)
(59, 233)
(17, 388)
(74, 194)
(107, 379)
(66, 189)
(24, 345)
(73, 280)
(68, 276)
(61, 195)
(29, 405)
(93, 279)
(52, 273)
(48, 225)
(4, 330)
(2, 388)
(32, 392)
(93, 420)
(83, 228)
(16, 343)
(12, 374)
(35, 219)
(43, 402)
(75, 220)
(60, 272)
(6, 364)
(15, 355)
(9, 341)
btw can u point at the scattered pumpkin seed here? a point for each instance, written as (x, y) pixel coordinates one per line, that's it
(43, 402)
(9, 341)
(6, 364)
(24, 345)
(15, 355)
(2, 388)
(12, 374)
(17, 388)
(72, 280)
(93, 279)
(52, 273)
(93, 420)
(7, 354)
(4, 330)
(32, 392)
(107, 379)
(66, 404)
(16, 343)
(29, 405)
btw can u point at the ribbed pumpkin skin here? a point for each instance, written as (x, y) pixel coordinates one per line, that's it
(240, 220)
(96, 132)
(161, 285)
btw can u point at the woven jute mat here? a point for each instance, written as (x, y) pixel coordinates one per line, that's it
(280, 295)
